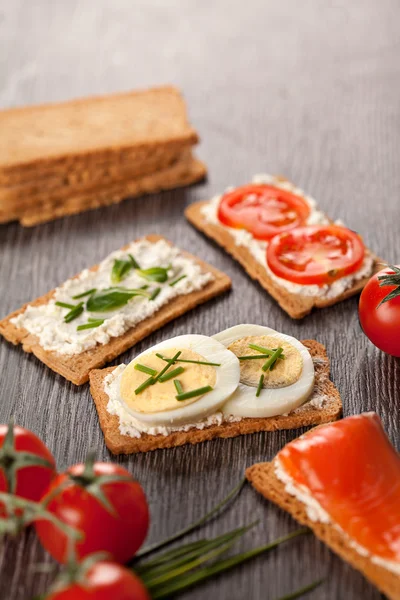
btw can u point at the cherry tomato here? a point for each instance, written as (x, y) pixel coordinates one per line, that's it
(262, 209)
(104, 581)
(112, 515)
(25, 455)
(381, 322)
(316, 254)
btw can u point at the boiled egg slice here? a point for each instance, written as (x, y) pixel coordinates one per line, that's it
(286, 387)
(157, 404)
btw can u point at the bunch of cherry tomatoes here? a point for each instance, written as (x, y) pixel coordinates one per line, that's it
(92, 518)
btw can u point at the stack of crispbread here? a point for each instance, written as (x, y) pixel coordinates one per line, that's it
(62, 159)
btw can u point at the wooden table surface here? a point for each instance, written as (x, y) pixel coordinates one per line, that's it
(306, 89)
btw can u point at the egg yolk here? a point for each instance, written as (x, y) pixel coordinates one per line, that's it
(161, 396)
(285, 371)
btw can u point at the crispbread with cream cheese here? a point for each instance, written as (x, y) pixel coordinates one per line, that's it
(58, 137)
(185, 171)
(295, 305)
(262, 477)
(76, 368)
(304, 416)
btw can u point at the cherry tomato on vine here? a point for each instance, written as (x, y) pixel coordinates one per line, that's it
(104, 504)
(315, 254)
(264, 210)
(26, 464)
(379, 310)
(103, 581)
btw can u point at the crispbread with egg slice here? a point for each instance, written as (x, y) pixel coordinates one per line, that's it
(76, 368)
(304, 416)
(263, 479)
(295, 305)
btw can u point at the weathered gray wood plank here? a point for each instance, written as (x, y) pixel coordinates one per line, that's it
(308, 89)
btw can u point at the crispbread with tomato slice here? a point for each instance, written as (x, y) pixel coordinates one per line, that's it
(295, 305)
(306, 415)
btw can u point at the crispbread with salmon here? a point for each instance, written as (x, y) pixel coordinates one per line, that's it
(264, 479)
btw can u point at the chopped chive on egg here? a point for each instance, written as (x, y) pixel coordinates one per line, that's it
(195, 375)
(283, 388)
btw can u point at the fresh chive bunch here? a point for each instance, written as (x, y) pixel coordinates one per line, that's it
(174, 571)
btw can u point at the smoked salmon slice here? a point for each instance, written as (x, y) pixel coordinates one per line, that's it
(353, 471)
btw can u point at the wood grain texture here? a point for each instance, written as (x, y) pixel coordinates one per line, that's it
(307, 89)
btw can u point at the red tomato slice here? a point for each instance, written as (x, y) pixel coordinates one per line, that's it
(316, 254)
(264, 210)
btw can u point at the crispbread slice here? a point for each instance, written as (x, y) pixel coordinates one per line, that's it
(185, 171)
(51, 137)
(302, 417)
(87, 177)
(295, 305)
(262, 477)
(76, 368)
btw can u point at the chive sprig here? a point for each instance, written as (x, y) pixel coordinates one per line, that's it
(268, 351)
(253, 357)
(171, 361)
(91, 324)
(271, 354)
(74, 313)
(145, 385)
(260, 385)
(195, 362)
(157, 376)
(84, 294)
(173, 283)
(155, 293)
(193, 393)
(144, 369)
(65, 305)
(171, 374)
(178, 386)
(270, 363)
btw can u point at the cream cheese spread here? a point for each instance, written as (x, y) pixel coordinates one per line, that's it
(317, 514)
(47, 321)
(258, 248)
(128, 425)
